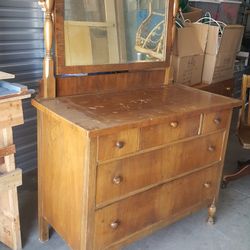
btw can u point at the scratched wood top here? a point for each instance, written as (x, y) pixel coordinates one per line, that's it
(99, 113)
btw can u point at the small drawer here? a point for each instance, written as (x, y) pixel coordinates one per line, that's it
(118, 178)
(172, 130)
(119, 144)
(215, 121)
(122, 219)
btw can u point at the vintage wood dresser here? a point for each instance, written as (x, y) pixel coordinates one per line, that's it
(122, 154)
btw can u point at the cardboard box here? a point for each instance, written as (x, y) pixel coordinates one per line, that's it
(194, 15)
(230, 41)
(218, 67)
(188, 51)
(221, 53)
(190, 40)
(187, 69)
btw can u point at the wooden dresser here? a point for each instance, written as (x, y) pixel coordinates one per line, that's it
(120, 152)
(116, 166)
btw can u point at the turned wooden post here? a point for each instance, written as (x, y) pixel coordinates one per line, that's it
(48, 84)
(169, 70)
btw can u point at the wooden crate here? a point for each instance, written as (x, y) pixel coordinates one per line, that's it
(11, 114)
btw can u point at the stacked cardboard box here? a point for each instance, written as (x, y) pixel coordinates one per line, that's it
(201, 55)
(188, 54)
(221, 53)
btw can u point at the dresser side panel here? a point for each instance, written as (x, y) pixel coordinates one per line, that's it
(62, 153)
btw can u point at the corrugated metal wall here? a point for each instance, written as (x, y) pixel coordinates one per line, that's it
(21, 53)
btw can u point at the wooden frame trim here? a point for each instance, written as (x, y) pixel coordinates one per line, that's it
(9, 150)
(61, 68)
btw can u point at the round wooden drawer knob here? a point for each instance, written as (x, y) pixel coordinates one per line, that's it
(117, 180)
(120, 144)
(174, 124)
(207, 185)
(211, 148)
(115, 224)
(217, 121)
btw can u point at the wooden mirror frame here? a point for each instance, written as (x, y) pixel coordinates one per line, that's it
(61, 68)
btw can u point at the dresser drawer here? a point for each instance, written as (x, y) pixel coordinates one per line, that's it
(215, 121)
(121, 177)
(128, 216)
(119, 144)
(169, 131)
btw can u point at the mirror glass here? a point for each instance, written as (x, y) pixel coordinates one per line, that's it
(114, 31)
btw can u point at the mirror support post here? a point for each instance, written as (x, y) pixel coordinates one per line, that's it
(48, 84)
(169, 70)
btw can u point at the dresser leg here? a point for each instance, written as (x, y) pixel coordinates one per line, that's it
(43, 229)
(211, 213)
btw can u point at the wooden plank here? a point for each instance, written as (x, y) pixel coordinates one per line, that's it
(10, 233)
(11, 114)
(15, 97)
(8, 90)
(7, 150)
(9, 219)
(13, 86)
(4, 75)
(67, 86)
(10, 180)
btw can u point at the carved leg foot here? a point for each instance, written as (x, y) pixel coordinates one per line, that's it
(211, 213)
(43, 229)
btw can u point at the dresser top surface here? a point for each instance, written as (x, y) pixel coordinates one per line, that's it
(105, 111)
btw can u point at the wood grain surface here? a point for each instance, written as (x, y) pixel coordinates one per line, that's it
(102, 112)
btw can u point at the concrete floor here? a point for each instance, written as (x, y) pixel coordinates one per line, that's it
(231, 231)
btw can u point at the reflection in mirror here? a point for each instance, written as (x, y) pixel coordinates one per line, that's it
(114, 31)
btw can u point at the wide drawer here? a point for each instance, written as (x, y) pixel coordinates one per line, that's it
(215, 121)
(118, 144)
(118, 178)
(169, 131)
(128, 216)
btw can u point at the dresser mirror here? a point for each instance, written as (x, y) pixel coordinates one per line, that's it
(95, 35)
